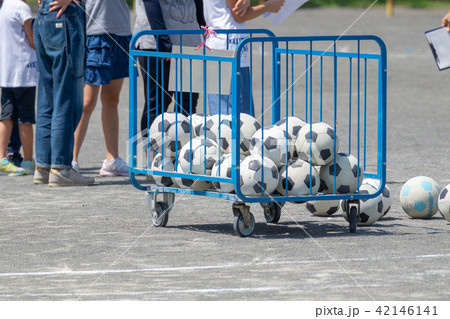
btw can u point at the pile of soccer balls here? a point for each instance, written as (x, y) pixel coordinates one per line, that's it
(291, 158)
(421, 198)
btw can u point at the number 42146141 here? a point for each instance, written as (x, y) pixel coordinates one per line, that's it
(407, 311)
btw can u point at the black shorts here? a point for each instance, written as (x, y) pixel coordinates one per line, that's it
(18, 104)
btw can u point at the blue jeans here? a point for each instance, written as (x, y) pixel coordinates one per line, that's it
(225, 107)
(60, 48)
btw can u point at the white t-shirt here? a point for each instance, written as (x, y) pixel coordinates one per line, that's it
(218, 16)
(18, 63)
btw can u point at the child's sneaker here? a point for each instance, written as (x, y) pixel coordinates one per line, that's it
(116, 167)
(41, 175)
(15, 158)
(9, 168)
(28, 167)
(68, 177)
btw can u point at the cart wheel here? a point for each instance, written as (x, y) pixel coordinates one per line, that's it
(160, 215)
(353, 218)
(272, 213)
(239, 226)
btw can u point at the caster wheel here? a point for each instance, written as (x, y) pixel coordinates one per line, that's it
(160, 215)
(272, 213)
(239, 226)
(353, 218)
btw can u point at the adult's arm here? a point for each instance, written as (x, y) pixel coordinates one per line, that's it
(446, 21)
(156, 19)
(256, 11)
(241, 7)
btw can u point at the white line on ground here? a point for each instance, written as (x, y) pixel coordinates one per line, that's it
(195, 268)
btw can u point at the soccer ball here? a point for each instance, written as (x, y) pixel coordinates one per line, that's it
(273, 142)
(191, 183)
(317, 139)
(322, 208)
(198, 155)
(294, 125)
(419, 197)
(210, 128)
(168, 133)
(167, 165)
(370, 210)
(224, 134)
(300, 175)
(252, 168)
(387, 196)
(444, 203)
(248, 127)
(347, 170)
(224, 171)
(196, 122)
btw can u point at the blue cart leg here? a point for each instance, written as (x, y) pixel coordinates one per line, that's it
(159, 210)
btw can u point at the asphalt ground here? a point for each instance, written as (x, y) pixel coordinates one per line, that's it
(98, 242)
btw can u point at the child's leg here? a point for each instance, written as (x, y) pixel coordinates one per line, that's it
(89, 102)
(5, 134)
(26, 137)
(110, 117)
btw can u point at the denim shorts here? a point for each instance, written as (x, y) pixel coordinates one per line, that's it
(18, 104)
(107, 58)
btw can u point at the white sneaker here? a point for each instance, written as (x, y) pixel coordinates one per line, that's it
(117, 168)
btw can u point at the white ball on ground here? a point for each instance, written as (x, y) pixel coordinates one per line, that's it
(419, 197)
(347, 171)
(166, 165)
(223, 168)
(168, 133)
(271, 141)
(386, 194)
(301, 179)
(444, 202)
(198, 155)
(370, 210)
(253, 167)
(323, 208)
(316, 143)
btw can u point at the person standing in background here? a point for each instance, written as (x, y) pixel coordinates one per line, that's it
(18, 80)
(59, 37)
(108, 40)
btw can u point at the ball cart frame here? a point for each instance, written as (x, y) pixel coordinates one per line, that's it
(340, 80)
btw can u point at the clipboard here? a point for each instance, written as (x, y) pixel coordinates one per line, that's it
(439, 41)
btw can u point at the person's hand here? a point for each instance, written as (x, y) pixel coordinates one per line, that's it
(274, 5)
(60, 5)
(241, 7)
(446, 21)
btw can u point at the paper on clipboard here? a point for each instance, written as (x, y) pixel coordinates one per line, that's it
(286, 10)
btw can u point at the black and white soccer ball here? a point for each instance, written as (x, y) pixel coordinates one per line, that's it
(387, 195)
(168, 133)
(349, 175)
(370, 210)
(167, 165)
(209, 128)
(198, 155)
(191, 182)
(323, 208)
(248, 127)
(259, 176)
(224, 134)
(299, 179)
(223, 168)
(316, 143)
(271, 142)
(197, 122)
(292, 125)
(444, 202)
